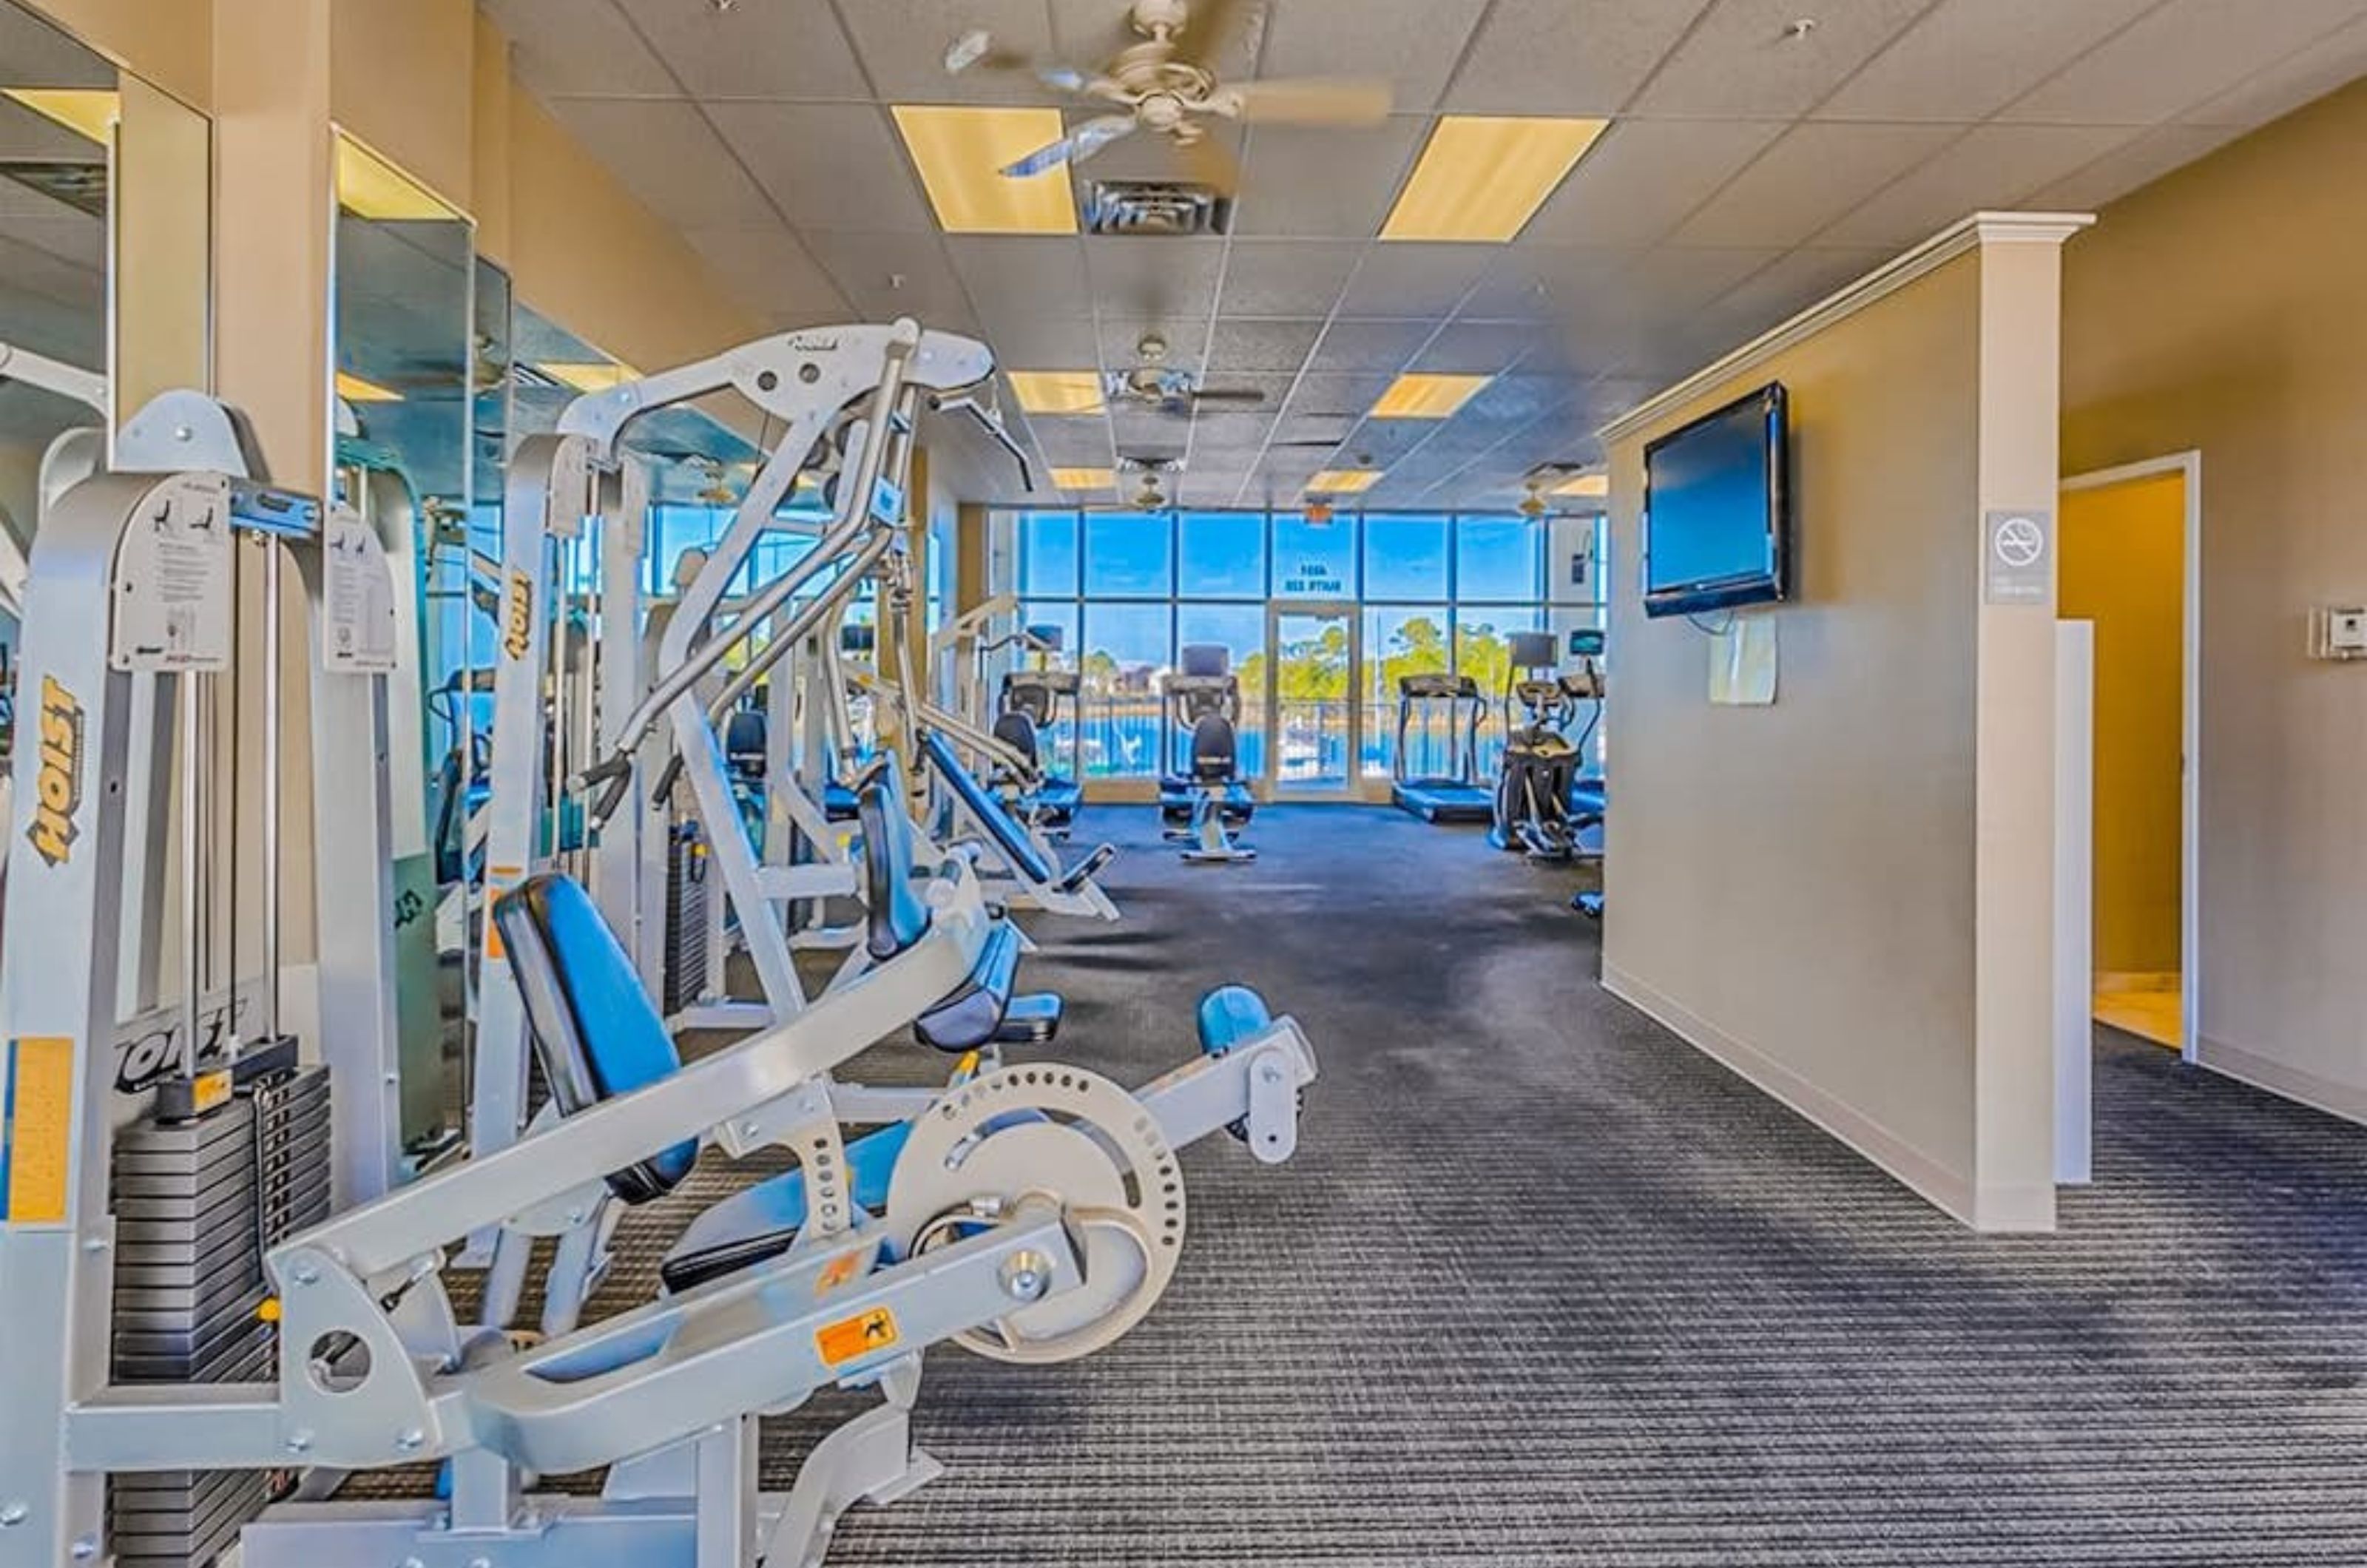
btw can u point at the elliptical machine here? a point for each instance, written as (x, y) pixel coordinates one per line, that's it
(1027, 712)
(1533, 785)
(1207, 799)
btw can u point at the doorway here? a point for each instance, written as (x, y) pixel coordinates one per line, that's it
(1312, 717)
(2130, 565)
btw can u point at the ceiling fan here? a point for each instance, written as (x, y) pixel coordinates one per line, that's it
(1170, 389)
(1162, 88)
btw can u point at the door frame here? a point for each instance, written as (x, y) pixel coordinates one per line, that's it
(1353, 613)
(2189, 465)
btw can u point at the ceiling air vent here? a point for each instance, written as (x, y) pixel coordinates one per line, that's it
(1155, 207)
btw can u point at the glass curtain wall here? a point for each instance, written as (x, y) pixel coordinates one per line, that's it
(1436, 593)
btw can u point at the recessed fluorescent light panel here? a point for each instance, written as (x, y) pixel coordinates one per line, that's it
(1482, 177)
(960, 152)
(1420, 395)
(1592, 486)
(85, 111)
(1083, 479)
(370, 187)
(1343, 481)
(353, 390)
(1058, 391)
(595, 376)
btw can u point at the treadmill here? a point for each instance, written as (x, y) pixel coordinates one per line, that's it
(1458, 795)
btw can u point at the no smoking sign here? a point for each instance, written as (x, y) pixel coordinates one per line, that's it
(2014, 567)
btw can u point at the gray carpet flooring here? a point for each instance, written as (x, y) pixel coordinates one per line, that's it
(1546, 1286)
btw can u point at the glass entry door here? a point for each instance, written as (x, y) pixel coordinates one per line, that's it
(1312, 722)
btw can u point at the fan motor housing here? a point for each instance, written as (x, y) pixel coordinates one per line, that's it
(1155, 208)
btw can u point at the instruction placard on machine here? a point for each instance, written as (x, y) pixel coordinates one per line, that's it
(174, 602)
(358, 630)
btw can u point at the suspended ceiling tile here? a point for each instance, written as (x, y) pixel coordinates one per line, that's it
(1328, 393)
(1369, 345)
(1644, 177)
(1325, 182)
(2179, 57)
(1073, 443)
(902, 44)
(1993, 167)
(2299, 78)
(1160, 279)
(564, 47)
(888, 276)
(1810, 177)
(1230, 431)
(1016, 275)
(1287, 277)
(1969, 57)
(1121, 336)
(1584, 57)
(2153, 154)
(1415, 282)
(1477, 349)
(1413, 47)
(1771, 297)
(1532, 282)
(768, 270)
(1261, 345)
(669, 156)
(765, 49)
(827, 165)
(1041, 343)
(1740, 62)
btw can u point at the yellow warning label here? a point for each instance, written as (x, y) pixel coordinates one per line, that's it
(210, 1089)
(838, 1271)
(39, 1128)
(865, 1333)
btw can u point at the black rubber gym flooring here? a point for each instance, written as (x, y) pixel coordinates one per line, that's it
(1546, 1286)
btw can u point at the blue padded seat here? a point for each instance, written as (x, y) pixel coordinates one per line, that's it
(763, 1220)
(1009, 837)
(744, 742)
(983, 1012)
(1230, 1015)
(594, 1029)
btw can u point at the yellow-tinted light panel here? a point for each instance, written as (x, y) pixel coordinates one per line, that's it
(1083, 479)
(370, 187)
(1591, 485)
(353, 390)
(1483, 176)
(85, 111)
(1420, 395)
(1343, 481)
(960, 151)
(1058, 391)
(594, 376)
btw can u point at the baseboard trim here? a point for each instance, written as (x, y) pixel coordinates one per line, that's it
(2346, 1100)
(1946, 1189)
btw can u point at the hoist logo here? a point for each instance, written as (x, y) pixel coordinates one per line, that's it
(53, 832)
(518, 616)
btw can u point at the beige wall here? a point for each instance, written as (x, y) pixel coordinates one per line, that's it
(171, 42)
(2224, 308)
(403, 82)
(1799, 878)
(1847, 896)
(2124, 566)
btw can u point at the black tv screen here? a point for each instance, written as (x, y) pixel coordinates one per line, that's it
(1717, 505)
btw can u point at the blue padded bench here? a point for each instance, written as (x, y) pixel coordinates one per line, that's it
(1009, 837)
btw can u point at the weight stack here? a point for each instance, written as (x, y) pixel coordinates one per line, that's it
(197, 1203)
(686, 935)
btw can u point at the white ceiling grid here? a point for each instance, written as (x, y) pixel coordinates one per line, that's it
(1746, 172)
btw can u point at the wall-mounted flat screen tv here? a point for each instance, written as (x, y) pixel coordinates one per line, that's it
(1717, 505)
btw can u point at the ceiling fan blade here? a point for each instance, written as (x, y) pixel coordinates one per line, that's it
(1063, 78)
(1246, 394)
(1074, 148)
(1208, 161)
(1307, 100)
